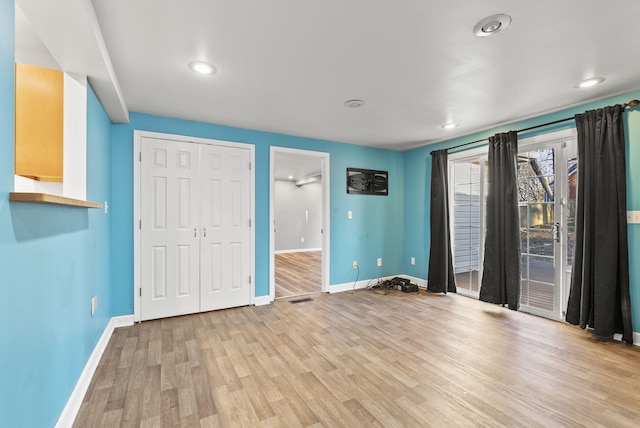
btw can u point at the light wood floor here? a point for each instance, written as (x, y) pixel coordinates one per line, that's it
(298, 273)
(361, 359)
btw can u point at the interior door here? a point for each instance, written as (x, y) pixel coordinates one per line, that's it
(195, 246)
(170, 250)
(225, 215)
(546, 177)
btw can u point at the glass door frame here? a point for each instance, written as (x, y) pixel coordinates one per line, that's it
(564, 143)
(476, 154)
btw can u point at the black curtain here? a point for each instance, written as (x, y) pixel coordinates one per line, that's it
(441, 278)
(501, 274)
(599, 295)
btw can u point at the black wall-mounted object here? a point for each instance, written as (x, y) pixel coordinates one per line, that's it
(367, 181)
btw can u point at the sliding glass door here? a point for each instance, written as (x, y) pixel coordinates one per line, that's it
(547, 172)
(468, 178)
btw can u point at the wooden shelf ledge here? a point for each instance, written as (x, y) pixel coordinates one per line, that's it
(45, 198)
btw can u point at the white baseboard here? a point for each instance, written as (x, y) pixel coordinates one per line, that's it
(636, 338)
(348, 286)
(298, 250)
(262, 301)
(71, 409)
(122, 321)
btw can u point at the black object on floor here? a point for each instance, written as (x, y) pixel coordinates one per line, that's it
(306, 299)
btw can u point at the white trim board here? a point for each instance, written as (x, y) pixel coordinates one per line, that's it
(122, 321)
(301, 250)
(71, 409)
(262, 300)
(350, 286)
(636, 338)
(363, 283)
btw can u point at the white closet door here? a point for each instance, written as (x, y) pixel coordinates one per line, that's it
(225, 217)
(170, 230)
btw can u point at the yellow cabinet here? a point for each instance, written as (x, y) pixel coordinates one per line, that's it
(39, 100)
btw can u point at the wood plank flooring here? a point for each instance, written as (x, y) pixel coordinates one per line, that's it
(298, 273)
(360, 359)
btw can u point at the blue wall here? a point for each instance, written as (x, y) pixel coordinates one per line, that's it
(417, 164)
(52, 260)
(375, 231)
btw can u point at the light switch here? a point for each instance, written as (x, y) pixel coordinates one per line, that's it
(349, 215)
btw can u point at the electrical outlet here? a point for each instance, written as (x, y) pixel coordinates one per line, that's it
(379, 261)
(354, 265)
(413, 260)
(633, 217)
(302, 239)
(94, 305)
(349, 215)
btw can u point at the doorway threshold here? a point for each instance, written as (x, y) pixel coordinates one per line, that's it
(291, 296)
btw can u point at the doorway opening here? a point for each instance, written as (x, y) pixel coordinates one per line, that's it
(299, 222)
(546, 175)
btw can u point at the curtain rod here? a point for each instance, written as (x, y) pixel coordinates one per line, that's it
(630, 104)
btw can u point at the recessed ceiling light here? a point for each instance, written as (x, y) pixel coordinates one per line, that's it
(202, 67)
(491, 25)
(449, 125)
(354, 103)
(588, 83)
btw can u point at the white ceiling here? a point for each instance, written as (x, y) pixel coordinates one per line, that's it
(296, 166)
(288, 66)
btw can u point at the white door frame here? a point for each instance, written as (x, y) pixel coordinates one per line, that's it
(326, 209)
(137, 272)
(557, 140)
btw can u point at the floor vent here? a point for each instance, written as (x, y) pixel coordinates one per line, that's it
(306, 299)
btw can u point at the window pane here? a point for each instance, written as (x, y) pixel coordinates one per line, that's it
(462, 193)
(572, 168)
(540, 295)
(524, 241)
(461, 172)
(468, 233)
(541, 242)
(541, 269)
(524, 214)
(540, 215)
